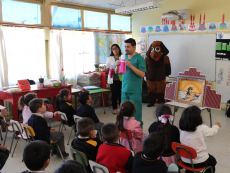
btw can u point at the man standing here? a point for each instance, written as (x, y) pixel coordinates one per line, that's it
(132, 80)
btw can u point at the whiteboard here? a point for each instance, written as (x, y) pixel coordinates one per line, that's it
(195, 50)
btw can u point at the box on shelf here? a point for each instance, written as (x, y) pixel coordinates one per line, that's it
(228, 47)
(24, 84)
(218, 45)
(98, 84)
(224, 46)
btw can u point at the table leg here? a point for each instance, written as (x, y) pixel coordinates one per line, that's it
(176, 108)
(103, 102)
(209, 110)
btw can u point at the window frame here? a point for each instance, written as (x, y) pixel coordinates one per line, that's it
(130, 18)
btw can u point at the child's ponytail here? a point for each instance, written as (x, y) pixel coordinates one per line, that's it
(127, 109)
(60, 96)
(24, 100)
(164, 129)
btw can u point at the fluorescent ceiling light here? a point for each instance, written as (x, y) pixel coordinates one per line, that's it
(139, 7)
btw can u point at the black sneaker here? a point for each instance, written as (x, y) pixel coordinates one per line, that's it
(64, 154)
(150, 105)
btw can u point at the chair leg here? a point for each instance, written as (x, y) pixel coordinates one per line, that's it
(5, 138)
(12, 141)
(60, 126)
(15, 147)
(70, 134)
(60, 153)
(209, 167)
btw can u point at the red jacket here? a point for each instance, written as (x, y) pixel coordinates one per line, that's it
(115, 157)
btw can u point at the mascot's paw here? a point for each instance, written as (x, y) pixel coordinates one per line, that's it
(150, 105)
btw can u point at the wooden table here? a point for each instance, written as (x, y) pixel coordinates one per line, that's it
(41, 93)
(178, 105)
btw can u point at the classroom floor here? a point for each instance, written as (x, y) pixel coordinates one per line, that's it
(218, 145)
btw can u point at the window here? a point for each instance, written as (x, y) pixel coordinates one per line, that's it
(66, 18)
(95, 20)
(121, 23)
(21, 12)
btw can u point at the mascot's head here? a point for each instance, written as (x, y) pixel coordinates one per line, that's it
(156, 50)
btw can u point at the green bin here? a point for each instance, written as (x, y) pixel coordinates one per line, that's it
(228, 47)
(218, 45)
(224, 46)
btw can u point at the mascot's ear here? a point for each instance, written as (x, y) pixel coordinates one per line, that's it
(149, 51)
(164, 50)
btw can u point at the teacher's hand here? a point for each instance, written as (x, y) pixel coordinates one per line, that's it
(128, 63)
(118, 63)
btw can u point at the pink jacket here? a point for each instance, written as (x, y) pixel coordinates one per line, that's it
(137, 133)
(26, 114)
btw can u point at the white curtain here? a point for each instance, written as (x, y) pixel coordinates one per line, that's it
(25, 52)
(3, 61)
(73, 51)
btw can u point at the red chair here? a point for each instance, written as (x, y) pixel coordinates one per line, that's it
(51, 109)
(126, 134)
(189, 153)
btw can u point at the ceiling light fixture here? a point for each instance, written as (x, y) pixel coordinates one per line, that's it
(139, 7)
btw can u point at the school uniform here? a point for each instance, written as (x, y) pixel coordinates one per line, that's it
(115, 157)
(67, 108)
(42, 131)
(3, 154)
(143, 164)
(137, 134)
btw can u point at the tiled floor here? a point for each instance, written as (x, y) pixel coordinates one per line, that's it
(218, 146)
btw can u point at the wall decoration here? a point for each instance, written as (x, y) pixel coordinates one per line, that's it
(150, 29)
(202, 26)
(166, 28)
(143, 29)
(158, 28)
(192, 27)
(212, 27)
(142, 46)
(223, 26)
(183, 28)
(175, 28)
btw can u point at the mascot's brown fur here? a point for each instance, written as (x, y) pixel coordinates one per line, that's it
(157, 68)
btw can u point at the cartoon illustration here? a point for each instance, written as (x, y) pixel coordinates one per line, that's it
(220, 76)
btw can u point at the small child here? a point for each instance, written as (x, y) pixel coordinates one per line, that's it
(70, 166)
(86, 141)
(170, 133)
(63, 105)
(126, 119)
(26, 113)
(193, 134)
(114, 156)
(36, 156)
(4, 152)
(85, 110)
(41, 129)
(146, 161)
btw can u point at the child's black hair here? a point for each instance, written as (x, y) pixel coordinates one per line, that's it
(153, 146)
(83, 97)
(24, 100)
(164, 130)
(35, 104)
(70, 166)
(127, 109)
(62, 93)
(85, 126)
(110, 132)
(35, 154)
(190, 119)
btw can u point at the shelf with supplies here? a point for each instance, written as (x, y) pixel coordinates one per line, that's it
(223, 48)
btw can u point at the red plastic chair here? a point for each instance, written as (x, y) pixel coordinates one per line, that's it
(126, 134)
(189, 153)
(51, 109)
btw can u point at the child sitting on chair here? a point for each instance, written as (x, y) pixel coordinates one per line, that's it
(86, 141)
(23, 103)
(63, 105)
(147, 161)
(36, 156)
(114, 156)
(70, 166)
(126, 119)
(41, 129)
(85, 110)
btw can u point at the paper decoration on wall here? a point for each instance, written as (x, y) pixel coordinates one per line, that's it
(150, 29)
(142, 46)
(223, 87)
(220, 76)
(212, 27)
(183, 28)
(190, 88)
(143, 54)
(166, 28)
(143, 29)
(192, 27)
(223, 26)
(202, 26)
(158, 28)
(175, 28)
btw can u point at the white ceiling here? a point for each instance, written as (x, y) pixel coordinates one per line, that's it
(104, 4)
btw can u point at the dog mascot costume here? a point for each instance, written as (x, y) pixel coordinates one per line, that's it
(157, 68)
